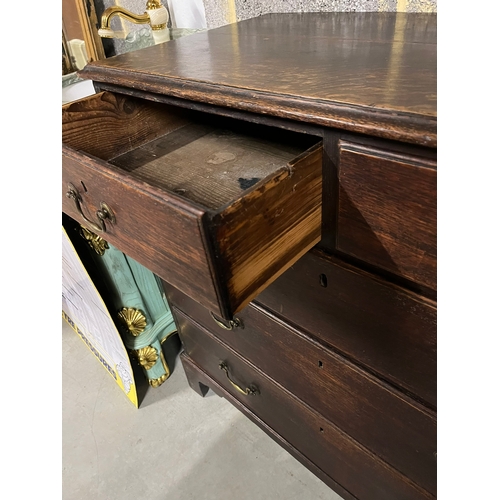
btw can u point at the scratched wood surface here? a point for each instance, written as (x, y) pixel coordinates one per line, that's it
(342, 392)
(211, 164)
(365, 72)
(357, 469)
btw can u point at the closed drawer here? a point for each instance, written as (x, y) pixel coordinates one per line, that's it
(381, 326)
(357, 470)
(387, 211)
(388, 423)
(217, 207)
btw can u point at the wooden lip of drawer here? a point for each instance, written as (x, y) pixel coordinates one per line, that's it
(373, 414)
(221, 238)
(347, 462)
(387, 212)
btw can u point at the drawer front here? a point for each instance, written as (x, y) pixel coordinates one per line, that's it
(357, 470)
(217, 207)
(164, 237)
(387, 211)
(200, 382)
(378, 325)
(391, 425)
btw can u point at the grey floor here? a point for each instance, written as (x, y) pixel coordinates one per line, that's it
(176, 446)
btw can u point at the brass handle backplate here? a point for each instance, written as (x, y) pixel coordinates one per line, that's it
(233, 323)
(251, 390)
(104, 213)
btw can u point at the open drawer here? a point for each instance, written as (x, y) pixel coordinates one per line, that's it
(217, 207)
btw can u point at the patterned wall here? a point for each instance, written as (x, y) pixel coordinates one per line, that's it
(219, 12)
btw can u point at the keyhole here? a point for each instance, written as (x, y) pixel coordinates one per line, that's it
(323, 281)
(321, 429)
(320, 364)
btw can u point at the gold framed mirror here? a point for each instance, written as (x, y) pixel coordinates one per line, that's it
(81, 42)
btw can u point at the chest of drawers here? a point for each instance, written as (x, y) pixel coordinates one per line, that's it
(279, 175)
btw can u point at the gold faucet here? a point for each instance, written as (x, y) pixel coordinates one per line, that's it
(156, 15)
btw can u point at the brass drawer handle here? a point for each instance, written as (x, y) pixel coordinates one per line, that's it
(233, 323)
(104, 213)
(251, 390)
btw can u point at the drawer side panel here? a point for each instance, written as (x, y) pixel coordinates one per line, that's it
(266, 231)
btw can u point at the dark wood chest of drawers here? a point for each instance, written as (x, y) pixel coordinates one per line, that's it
(279, 175)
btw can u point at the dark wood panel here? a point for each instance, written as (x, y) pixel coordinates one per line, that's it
(372, 73)
(387, 212)
(201, 382)
(390, 424)
(160, 232)
(380, 326)
(360, 472)
(253, 117)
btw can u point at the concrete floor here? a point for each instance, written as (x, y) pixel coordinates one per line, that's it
(176, 446)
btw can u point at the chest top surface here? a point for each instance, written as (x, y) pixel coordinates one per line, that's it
(367, 72)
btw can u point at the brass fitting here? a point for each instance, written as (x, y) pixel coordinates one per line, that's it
(157, 20)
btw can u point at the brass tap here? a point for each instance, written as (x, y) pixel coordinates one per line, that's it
(156, 15)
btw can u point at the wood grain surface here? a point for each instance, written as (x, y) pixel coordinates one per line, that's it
(358, 470)
(210, 161)
(170, 244)
(107, 125)
(265, 231)
(371, 412)
(373, 73)
(378, 325)
(387, 213)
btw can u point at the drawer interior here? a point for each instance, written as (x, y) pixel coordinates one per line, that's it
(209, 160)
(217, 207)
